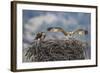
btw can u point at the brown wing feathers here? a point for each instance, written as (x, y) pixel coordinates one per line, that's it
(58, 29)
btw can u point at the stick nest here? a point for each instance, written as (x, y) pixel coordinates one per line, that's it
(55, 50)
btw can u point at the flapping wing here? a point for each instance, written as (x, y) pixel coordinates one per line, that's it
(58, 29)
(81, 32)
(55, 29)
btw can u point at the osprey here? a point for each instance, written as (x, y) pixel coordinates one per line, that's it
(40, 36)
(68, 34)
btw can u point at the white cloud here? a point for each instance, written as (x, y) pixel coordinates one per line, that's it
(72, 20)
(35, 22)
(49, 19)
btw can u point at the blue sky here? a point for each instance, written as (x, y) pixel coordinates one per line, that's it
(38, 21)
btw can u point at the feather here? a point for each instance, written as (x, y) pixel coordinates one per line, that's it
(81, 32)
(68, 34)
(40, 36)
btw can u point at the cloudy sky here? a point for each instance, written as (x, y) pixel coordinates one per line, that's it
(38, 21)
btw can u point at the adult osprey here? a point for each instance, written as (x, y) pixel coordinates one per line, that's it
(40, 36)
(68, 34)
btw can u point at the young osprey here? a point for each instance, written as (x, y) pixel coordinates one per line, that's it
(40, 36)
(68, 34)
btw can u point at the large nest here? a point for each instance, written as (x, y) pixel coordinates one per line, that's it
(55, 50)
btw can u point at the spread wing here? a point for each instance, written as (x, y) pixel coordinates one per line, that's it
(81, 32)
(57, 29)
